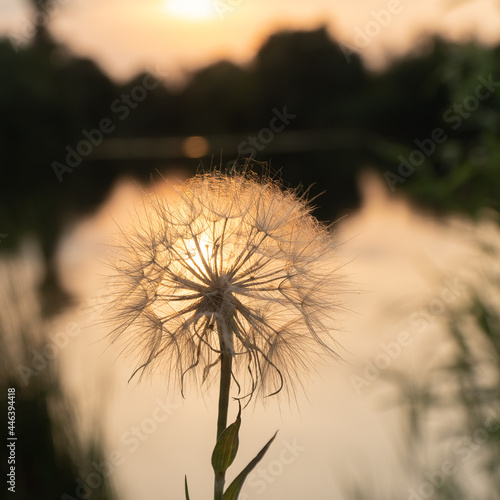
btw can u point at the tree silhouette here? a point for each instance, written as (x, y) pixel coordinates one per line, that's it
(42, 15)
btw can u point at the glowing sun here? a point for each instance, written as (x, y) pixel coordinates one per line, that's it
(199, 10)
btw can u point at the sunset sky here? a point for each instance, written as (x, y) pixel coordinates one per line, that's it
(173, 37)
(396, 258)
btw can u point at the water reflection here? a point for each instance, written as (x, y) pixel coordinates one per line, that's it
(47, 455)
(419, 338)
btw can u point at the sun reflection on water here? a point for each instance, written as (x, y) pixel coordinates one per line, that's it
(395, 251)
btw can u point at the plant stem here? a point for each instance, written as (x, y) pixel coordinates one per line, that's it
(225, 384)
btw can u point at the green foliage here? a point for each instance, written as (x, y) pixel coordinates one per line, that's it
(363, 118)
(451, 407)
(369, 119)
(235, 487)
(223, 456)
(461, 390)
(49, 451)
(226, 447)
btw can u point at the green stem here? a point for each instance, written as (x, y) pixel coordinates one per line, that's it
(225, 384)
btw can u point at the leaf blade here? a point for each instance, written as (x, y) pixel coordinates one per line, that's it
(234, 488)
(226, 447)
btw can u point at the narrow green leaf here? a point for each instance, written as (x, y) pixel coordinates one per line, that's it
(234, 488)
(226, 446)
(186, 487)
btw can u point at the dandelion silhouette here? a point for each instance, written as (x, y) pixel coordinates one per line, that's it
(231, 274)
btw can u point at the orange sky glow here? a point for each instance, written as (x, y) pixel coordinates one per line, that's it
(175, 37)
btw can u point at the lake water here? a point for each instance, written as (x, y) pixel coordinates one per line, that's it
(405, 271)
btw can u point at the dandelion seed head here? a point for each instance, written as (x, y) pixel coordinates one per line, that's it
(230, 263)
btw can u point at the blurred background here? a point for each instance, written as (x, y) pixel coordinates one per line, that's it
(390, 109)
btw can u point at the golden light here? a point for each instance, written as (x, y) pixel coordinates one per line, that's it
(195, 146)
(196, 10)
(199, 251)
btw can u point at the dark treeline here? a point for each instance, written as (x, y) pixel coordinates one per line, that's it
(429, 123)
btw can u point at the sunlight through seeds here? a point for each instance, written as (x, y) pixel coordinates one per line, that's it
(229, 263)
